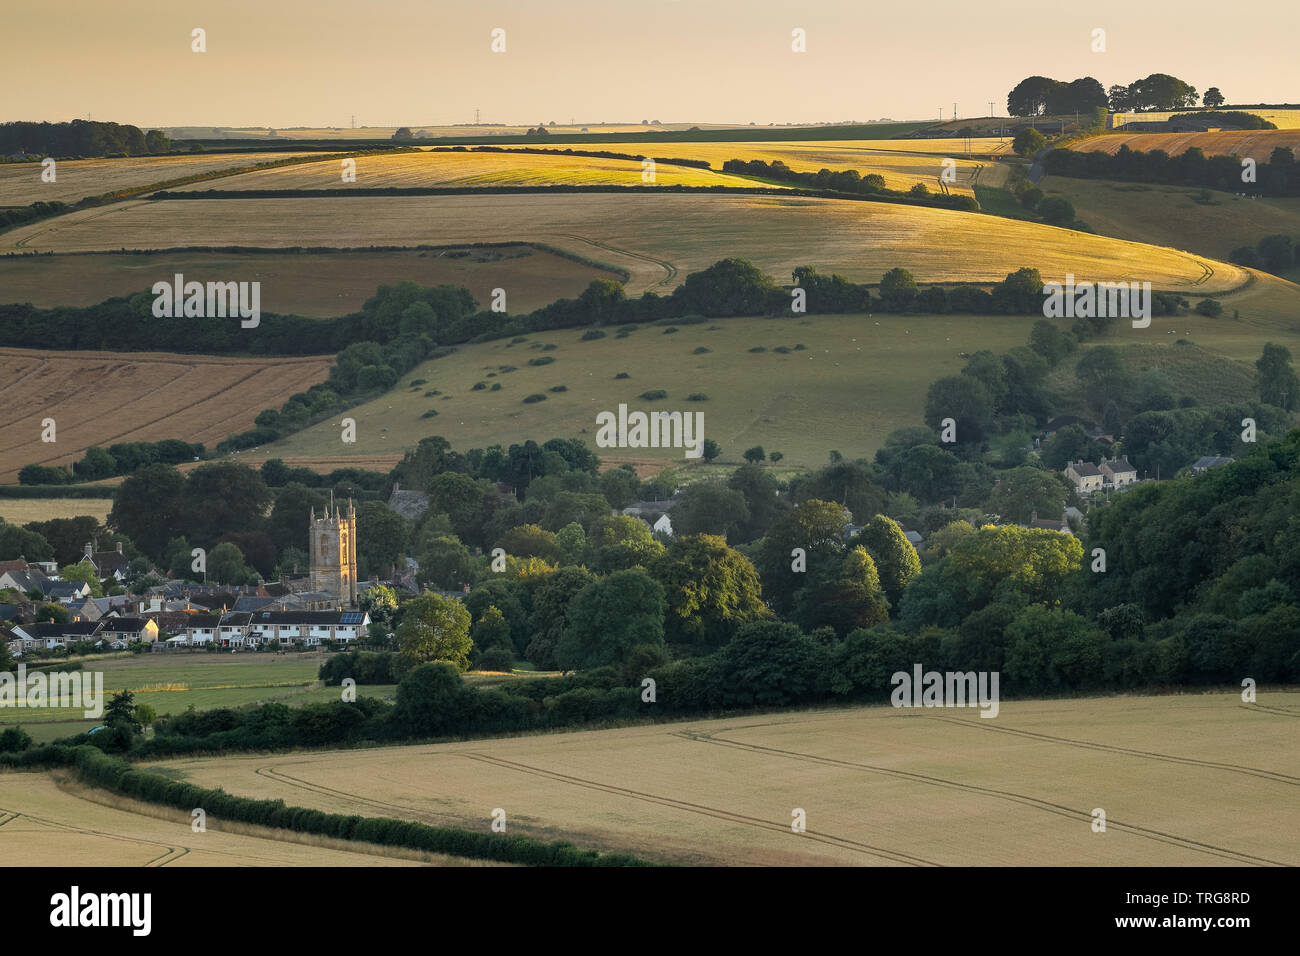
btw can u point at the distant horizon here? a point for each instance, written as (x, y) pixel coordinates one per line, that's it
(315, 65)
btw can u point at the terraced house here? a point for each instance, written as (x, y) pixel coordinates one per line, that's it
(243, 629)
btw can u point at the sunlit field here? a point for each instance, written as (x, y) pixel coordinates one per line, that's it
(879, 786)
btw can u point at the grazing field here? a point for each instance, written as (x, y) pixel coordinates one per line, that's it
(321, 284)
(137, 396)
(1187, 780)
(1172, 216)
(658, 238)
(20, 183)
(1258, 144)
(428, 169)
(46, 822)
(25, 510)
(858, 378)
(173, 681)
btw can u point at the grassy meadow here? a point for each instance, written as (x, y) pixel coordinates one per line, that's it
(880, 786)
(1174, 216)
(858, 378)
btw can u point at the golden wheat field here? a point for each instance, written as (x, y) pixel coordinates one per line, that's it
(49, 823)
(140, 396)
(657, 238)
(1187, 780)
(428, 169)
(21, 183)
(1281, 118)
(902, 166)
(1258, 144)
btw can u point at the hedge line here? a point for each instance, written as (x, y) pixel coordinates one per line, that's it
(111, 773)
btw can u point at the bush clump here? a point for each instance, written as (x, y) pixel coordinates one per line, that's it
(534, 398)
(654, 395)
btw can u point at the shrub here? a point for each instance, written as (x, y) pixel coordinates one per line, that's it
(670, 330)
(549, 348)
(496, 387)
(478, 386)
(496, 659)
(697, 397)
(542, 360)
(558, 388)
(416, 383)
(701, 351)
(430, 413)
(592, 334)
(1210, 307)
(621, 375)
(654, 395)
(534, 398)
(763, 348)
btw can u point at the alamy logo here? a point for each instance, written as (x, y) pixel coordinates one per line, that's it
(133, 910)
(215, 300)
(951, 689)
(651, 430)
(1100, 299)
(56, 689)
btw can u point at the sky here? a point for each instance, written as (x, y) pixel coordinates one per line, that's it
(284, 63)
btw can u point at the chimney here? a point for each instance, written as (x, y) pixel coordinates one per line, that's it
(119, 547)
(1033, 516)
(90, 549)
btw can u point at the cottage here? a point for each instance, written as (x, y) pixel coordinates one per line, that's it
(1085, 476)
(1117, 472)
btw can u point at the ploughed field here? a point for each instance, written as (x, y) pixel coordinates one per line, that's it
(1188, 780)
(99, 398)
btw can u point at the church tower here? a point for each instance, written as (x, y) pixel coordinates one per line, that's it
(333, 543)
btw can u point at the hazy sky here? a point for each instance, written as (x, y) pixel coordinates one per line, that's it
(428, 62)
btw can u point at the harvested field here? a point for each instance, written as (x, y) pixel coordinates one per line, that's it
(1257, 144)
(1187, 780)
(24, 510)
(20, 183)
(320, 285)
(144, 396)
(658, 238)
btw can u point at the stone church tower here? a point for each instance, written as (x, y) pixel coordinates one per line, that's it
(333, 542)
